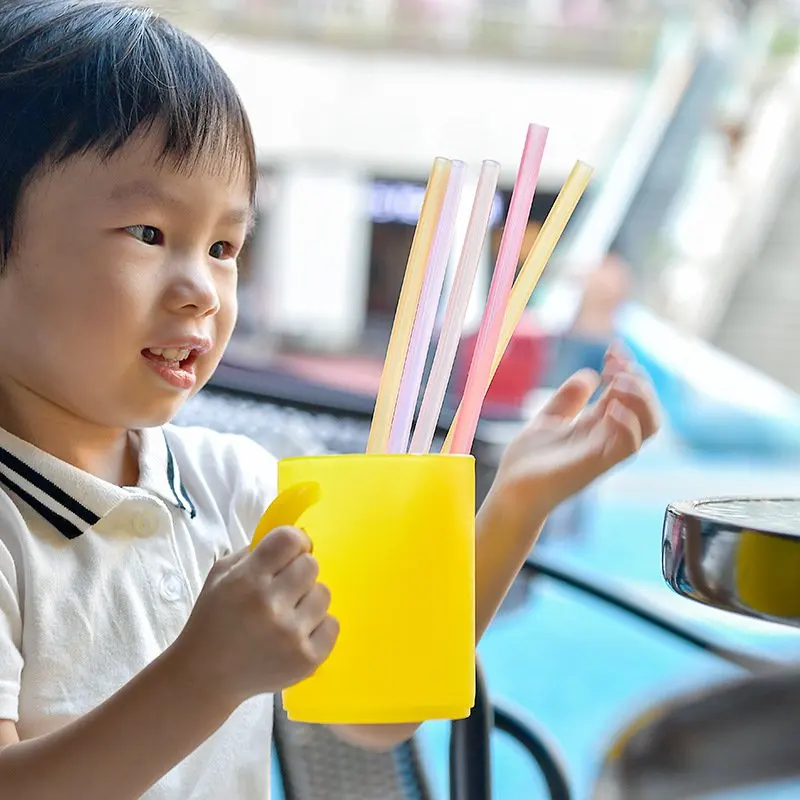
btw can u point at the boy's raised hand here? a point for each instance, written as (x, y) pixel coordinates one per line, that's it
(261, 622)
(568, 443)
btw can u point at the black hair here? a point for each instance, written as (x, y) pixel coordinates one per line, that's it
(82, 75)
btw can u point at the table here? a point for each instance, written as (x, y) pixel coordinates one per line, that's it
(738, 554)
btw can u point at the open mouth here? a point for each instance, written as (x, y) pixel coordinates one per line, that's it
(173, 358)
(176, 358)
(176, 365)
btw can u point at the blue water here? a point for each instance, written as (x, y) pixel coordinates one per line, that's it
(581, 669)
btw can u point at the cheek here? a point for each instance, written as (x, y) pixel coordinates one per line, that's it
(223, 325)
(112, 299)
(79, 308)
(228, 304)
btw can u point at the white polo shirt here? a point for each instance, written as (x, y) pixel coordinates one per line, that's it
(97, 580)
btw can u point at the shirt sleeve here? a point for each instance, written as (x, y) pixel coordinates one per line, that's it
(10, 637)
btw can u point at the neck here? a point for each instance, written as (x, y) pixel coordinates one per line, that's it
(107, 453)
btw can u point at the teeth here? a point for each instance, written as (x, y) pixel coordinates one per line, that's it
(171, 353)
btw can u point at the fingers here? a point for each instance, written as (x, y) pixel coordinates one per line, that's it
(635, 394)
(626, 415)
(225, 563)
(628, 386)
(573, 395)
(296, 585)
(295, 580)
(280, 548)
(323, 639)
(624, 435)
(313, 608)
(617, 359)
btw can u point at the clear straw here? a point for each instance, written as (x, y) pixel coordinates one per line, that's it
(536, 261)
(456, 309)
(426, 314)
(478, 377)
(407, 305)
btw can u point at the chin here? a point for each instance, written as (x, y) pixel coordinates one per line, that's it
(156, 415)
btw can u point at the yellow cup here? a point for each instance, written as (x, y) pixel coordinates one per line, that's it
(394, 538)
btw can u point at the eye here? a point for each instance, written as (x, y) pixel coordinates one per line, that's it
(222, 250)
(146, 234)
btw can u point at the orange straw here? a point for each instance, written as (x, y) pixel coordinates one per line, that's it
(407, 306)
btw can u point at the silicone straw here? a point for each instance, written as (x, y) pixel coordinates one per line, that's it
(426, 314)
(536, 261)
(456, 310)
(478, 377)
(407, 306)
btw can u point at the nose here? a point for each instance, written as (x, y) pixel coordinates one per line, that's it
(193, 290)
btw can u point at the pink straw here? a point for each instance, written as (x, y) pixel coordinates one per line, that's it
(478, 378)
(426, 314)
(456, 310)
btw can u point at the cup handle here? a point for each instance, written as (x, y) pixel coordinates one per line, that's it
(287, 508)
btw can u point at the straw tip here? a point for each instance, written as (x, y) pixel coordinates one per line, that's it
(537, 129)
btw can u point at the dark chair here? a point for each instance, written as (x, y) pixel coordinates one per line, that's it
(315, 765)
(742, 734)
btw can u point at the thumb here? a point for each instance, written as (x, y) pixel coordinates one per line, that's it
(572, 396)
(224, 564)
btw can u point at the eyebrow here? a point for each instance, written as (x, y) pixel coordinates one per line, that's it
(152, 192)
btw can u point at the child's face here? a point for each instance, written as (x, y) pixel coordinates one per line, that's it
(113, 258)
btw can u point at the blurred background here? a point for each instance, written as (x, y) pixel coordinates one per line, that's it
(684, 246)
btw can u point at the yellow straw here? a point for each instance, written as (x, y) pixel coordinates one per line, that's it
(535, 263)
(407, 306)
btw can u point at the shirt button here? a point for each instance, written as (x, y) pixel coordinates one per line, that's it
(171, 587)
(145, 525)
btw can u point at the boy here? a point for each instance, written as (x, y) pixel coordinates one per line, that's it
(140, 640)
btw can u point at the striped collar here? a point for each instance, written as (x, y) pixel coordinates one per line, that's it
(71, 500)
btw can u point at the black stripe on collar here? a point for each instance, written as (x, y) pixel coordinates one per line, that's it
(182, 499)
(61, 524)
(45, 485)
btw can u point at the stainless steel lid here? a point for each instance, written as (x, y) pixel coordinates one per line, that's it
(739, 554)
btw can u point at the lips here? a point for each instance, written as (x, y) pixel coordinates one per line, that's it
(178, 374)
(175, 361)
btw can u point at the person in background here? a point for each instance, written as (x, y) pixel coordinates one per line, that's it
(583, 345)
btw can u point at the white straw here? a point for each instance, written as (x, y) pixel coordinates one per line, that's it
(456, 308)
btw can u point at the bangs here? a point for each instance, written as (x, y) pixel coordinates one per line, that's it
(81, 75)
(156, 76)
